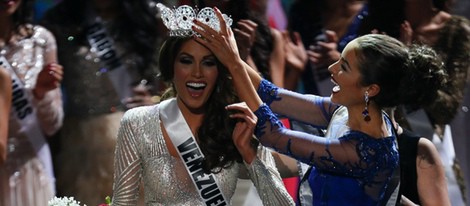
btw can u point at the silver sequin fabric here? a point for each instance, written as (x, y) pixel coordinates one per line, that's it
(142, 155)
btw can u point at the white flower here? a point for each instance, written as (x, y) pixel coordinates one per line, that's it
(63, 201)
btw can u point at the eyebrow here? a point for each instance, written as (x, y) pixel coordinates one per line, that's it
(210, 56)
(184, 54)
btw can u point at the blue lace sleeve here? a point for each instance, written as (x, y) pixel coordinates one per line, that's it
(268, 92)
(267, 118)
(333, 153)
(264, 114)
(368, 160)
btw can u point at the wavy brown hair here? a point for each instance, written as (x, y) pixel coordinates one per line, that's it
(215, 132)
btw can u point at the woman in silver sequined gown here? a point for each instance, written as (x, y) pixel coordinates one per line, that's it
(144, 152)
(26, 177)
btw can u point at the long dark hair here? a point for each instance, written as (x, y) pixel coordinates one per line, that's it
(215, 132)
(23, 16)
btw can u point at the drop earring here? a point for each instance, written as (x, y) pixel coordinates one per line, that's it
(365, 113)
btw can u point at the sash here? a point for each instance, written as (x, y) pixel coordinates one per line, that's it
(103, 46)
(25, 113)
(189, 152)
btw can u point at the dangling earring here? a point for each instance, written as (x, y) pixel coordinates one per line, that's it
(365, 113)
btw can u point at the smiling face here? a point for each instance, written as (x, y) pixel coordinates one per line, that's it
(195, 76)
(346, 76)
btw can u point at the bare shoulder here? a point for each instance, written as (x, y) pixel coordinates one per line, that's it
(427, 152)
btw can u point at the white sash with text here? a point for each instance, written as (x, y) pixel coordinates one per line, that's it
(189, 152)
(26, 116)
(103, 45)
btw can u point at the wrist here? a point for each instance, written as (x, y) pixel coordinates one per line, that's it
(38, 94)
(236, 65)
(249, 155)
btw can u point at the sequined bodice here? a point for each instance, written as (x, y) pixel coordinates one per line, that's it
(27, 57)
(141, 152)
(166, 177)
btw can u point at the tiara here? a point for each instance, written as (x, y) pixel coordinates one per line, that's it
(180, 20)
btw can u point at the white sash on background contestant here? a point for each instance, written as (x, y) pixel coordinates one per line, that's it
(189, 152)
(103, 46)
(25, 113)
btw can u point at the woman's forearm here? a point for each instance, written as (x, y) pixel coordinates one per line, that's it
(246, 80)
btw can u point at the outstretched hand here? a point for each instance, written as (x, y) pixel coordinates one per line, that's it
(224, 46)
(296, 54)
(243, 132)
(245, 35)
(222, 43)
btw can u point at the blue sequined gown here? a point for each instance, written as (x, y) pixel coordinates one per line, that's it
(347, 167)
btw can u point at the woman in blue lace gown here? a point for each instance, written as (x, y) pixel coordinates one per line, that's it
(355, 163)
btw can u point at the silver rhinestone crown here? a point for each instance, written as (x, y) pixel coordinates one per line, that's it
(180, 20)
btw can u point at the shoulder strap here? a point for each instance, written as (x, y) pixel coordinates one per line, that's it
(392, 193)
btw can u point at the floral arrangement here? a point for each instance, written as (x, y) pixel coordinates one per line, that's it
(63, 201)
(70, 201)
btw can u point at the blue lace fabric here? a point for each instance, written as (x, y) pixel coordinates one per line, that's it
(352, 168)
(268, 92)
